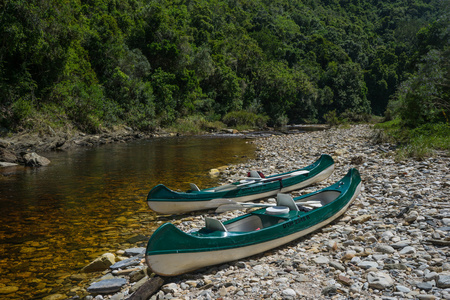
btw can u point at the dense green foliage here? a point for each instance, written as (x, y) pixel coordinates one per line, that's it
(420, 107)
(92, 64)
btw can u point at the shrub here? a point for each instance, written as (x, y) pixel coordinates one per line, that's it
(245, 118)
(331, 118)
(195, 124)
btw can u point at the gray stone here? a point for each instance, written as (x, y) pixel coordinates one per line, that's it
(7, 156)
(302, 278)
(35, 160)
(412, 216)
(170, 288)
(426, 286)
(368, 264)
(443, 281)
(134, 251)
(379, 257)
(400, 245)
(289, 293)
(446, 266)
(384, 249)
(425, 297)
(407, 250)
(402, 289)
(355, 260)
(107, 286)
(337, 265)
(379, 280)
(430, 276)
(132, 261)
(321, 260)
(329, 290)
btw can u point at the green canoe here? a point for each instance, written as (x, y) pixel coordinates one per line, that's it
(165, 201)
(171, 251)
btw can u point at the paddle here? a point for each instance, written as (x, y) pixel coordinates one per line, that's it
(252, 180)
(232, 205)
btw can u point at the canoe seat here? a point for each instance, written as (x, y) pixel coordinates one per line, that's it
(194, 187)
(256, 174)
(214, 225)
(286, 200)
(251, 223)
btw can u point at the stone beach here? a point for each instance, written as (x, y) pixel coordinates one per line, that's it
(392, 243)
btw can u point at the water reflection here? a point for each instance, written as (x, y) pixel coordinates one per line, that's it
(56, 219)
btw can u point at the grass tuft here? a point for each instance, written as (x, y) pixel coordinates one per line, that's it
(420, 142)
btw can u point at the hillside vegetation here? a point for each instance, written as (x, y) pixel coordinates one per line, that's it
(94, 64)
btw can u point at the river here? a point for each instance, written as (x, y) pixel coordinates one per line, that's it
(56, 219)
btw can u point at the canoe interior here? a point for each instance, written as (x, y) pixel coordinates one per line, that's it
(259, 220)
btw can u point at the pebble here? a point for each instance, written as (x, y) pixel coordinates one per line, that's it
(381, 248)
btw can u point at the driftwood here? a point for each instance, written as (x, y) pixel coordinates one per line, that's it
(145, 291)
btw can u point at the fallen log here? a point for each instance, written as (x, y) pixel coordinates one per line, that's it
(147, 289)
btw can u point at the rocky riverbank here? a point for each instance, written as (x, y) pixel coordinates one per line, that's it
(392, 243)
(24, 148)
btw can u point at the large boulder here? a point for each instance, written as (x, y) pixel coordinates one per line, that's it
(35, 160)
(7, 156)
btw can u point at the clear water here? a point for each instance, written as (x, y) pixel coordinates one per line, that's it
(56, 219)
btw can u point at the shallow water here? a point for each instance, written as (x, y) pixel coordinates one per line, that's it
(56, 219)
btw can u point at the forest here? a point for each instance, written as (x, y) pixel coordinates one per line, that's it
(93, 64)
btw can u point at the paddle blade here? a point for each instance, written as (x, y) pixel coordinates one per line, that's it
(228, 207)
(218, 202)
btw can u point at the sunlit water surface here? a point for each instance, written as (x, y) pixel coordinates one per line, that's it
(56, 219)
